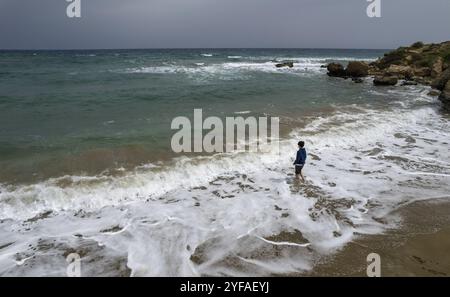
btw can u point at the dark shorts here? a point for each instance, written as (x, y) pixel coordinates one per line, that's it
(298, 169)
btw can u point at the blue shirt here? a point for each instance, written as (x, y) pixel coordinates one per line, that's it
(301, 157)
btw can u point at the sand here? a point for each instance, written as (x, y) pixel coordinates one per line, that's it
(420, 247)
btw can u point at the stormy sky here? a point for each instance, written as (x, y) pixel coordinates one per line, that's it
(43, 24)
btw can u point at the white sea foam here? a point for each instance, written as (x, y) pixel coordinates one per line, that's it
(311, 59)
(238, 70)
(225, 209)
(229, 70)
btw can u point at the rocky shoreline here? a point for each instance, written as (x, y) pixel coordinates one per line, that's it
(427, 64)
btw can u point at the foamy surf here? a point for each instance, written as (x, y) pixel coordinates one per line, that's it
(228, 71)
(242, 69)
(235, 214)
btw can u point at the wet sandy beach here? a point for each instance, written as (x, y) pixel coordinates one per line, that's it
(419, 248)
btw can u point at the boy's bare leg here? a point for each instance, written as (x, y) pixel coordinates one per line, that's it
(303, 178)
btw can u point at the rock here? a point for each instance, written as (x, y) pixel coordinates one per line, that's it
(433, 93)
(405, 72)
(323, 66)
(336, 70)
(409, 83)
(417, 44)
(440, 82)
(409, 59)
(285, 64)
(427, 64)
(447, 88)
(357, 69)
(396, 57)
(385, 81)
(422, 71)
(445, 66)
(445, 96)
(373, 70)
(357, 80)
(422, 80)
(437, 67)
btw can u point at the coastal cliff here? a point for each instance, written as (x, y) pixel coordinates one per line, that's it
(420, 63)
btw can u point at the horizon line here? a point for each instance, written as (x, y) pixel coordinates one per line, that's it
(190, 48)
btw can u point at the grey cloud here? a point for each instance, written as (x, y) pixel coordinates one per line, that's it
(32, 24)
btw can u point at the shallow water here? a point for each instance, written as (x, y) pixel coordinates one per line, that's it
(86, 164)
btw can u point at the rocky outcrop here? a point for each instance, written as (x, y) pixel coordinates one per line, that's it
(434, 93)
(427, 64)
(336, 70)
(423, 63)
(440, 82)
(385, 81)
(423, 72)
(354, 69)
(437, 68)
(285, 64)
(409, 83)
(445, 96)
(401, 72)
(357, 69)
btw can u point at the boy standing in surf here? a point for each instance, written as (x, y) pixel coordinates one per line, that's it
(300, 160)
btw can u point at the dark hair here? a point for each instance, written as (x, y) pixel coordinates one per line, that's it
(301, 143)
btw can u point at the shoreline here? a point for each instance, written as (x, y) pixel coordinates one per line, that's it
(419, 247)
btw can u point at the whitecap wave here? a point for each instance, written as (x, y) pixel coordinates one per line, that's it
(240, 70)
(228, 71)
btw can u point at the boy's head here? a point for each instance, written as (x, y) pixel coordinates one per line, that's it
(301, 144)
